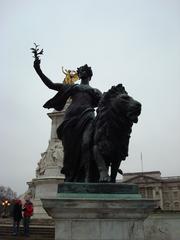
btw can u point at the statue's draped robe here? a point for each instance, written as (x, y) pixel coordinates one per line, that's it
(76, 121)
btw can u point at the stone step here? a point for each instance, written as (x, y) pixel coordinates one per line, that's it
(33, 229)
(34, 221)
(36, 232)
(23, 238)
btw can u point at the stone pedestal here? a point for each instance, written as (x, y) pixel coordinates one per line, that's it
(48, 172)
(81, 213)
(43, 187)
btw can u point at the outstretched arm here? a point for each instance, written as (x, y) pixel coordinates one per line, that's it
(46, 80)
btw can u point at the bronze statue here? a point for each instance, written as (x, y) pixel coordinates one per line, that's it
(75, 129)
(91, 143)
(116, 113)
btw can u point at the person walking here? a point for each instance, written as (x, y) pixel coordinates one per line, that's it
(17, 216)
(27, 213)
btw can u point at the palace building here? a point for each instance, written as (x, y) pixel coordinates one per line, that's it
(152, 185)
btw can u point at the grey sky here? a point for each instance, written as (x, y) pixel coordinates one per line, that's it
(134, 42)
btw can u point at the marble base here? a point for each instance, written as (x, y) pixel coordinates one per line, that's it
(43, 187)
(39, 212)
(100, 217)
(163, 225)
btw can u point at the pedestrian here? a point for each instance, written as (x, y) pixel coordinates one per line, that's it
(27, 213)
(17, 216)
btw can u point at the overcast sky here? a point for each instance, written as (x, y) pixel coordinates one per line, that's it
(133, 42)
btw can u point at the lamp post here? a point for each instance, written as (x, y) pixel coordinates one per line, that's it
(5, 204)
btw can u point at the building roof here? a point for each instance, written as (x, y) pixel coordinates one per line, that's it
(140, 173)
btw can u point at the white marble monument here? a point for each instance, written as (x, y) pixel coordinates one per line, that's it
(48, 171)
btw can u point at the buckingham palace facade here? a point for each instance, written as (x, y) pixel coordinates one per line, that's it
(152, 185)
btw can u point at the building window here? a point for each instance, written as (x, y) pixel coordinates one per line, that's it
(149, 192)
(142, 192)
(166, 195)
(176, 206)
(167, 206)
(175, 195)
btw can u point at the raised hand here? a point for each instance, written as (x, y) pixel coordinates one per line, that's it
(37, 62)
(36, 52)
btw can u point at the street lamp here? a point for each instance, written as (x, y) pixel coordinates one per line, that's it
(5, 205)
